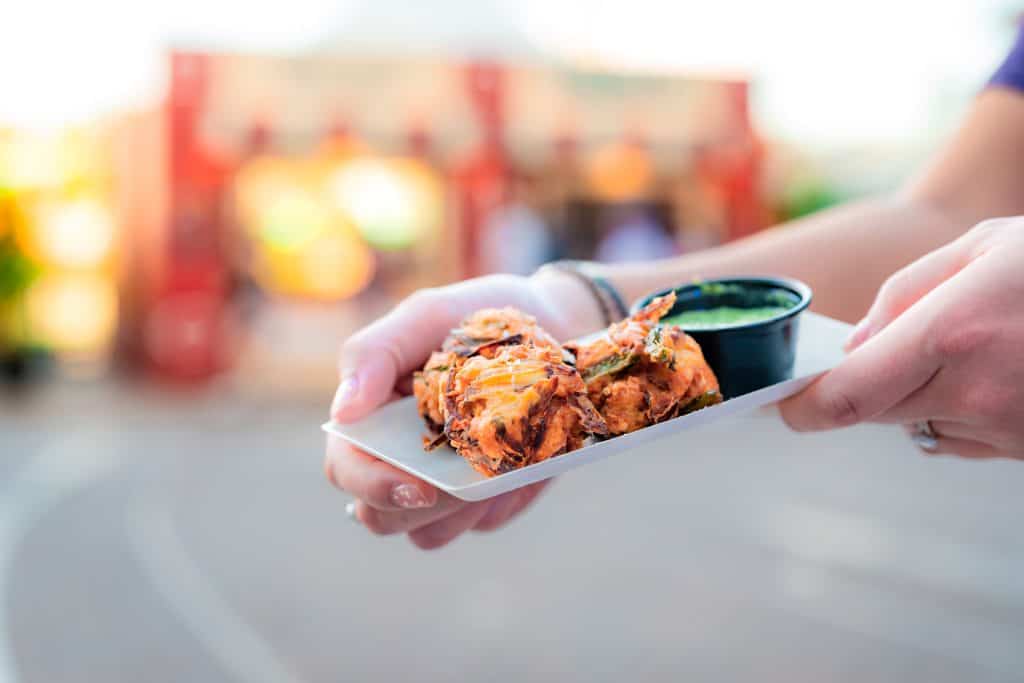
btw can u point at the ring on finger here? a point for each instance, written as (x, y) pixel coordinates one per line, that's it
(924, 436)
(350, 511)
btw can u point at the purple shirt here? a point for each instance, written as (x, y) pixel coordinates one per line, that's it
(1011, 72)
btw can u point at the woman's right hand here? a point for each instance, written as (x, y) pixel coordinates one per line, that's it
(940, 351)
(376, 366)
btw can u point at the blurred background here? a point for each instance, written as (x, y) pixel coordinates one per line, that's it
(200, 201)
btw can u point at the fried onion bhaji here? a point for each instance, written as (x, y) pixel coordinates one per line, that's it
(640, 373)
(481, 333)
(518, 406)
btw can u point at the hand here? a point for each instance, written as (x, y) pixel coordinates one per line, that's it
(376, 366)
(942, 342)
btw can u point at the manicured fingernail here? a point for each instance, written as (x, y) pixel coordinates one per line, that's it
(861, 333)
(346, 390)
(408, 496)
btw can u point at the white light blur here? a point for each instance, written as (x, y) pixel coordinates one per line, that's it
(73, 312)
(383, 203)
(77, 234)
(826, 71)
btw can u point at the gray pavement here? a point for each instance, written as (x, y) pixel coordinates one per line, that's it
(149, 535)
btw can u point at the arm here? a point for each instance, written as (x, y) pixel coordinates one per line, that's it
(846, 253)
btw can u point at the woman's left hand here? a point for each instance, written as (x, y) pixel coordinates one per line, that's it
(943, 343)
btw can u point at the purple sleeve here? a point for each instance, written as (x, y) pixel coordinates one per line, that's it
(1011, 72)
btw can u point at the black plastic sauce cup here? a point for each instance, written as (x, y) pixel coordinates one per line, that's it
(746, 356)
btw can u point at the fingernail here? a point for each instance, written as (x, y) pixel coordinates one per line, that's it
(408, 496)
(861, 333)
(346, 390)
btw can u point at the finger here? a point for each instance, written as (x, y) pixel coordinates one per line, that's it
(907, 286)
(883, 371)
(930, 401)
(965, 448)
(374, 481)
(395, 345)
(950, 429)
(1003, 442)
(500, 510)
(445, 531)
(875, 377)
(957, 438)
(385, 522)
(506, 507)
(403, 387)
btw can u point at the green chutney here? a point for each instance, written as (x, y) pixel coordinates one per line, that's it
(722, 316)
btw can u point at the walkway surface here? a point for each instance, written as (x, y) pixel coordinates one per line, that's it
(148, 536)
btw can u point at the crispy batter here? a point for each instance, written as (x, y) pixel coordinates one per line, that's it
(494, 325)
(427, 385)
(639, 373)
(518, 407)
(500, 392)
(481, 333)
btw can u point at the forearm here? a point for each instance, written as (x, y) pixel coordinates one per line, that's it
(844, 254)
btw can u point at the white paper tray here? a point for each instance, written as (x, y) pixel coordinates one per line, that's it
(394, 433)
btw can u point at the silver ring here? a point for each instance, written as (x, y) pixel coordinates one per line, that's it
(350, 510)
(924, 436)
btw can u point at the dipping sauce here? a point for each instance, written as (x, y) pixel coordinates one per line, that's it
(722, 316)
(747, 327)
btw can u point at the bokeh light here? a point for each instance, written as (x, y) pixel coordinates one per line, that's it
(73, 234)
(335, 265)
(51, 159)
(292, 219)
(394, 202)
(620, 172)
(73, 313)
(302, 245)
(273, 201)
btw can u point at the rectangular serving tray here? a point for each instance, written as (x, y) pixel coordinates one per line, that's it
(395, 432)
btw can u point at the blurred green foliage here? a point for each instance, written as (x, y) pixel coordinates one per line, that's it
(16, 270)
(805, 198)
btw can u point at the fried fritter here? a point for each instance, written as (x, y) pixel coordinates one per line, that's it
(427, 386)
(520, 406)
(482, 333)
(640, 373)
(489, 325)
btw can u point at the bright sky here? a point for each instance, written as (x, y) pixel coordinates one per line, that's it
(828, 71)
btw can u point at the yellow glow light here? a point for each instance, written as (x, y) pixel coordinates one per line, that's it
(75, 313)
(291, 220)
(30, 160)
(75, 234)
(393, 202)
(259, 181)
(280, 202)
(6, 214)
(620, 172)
(335, 265)
(33, 160)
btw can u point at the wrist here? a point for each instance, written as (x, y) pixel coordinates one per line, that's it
(570, 305)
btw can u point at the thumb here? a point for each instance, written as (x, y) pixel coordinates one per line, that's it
(374, 358)
(906, 286)
(874, 378)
